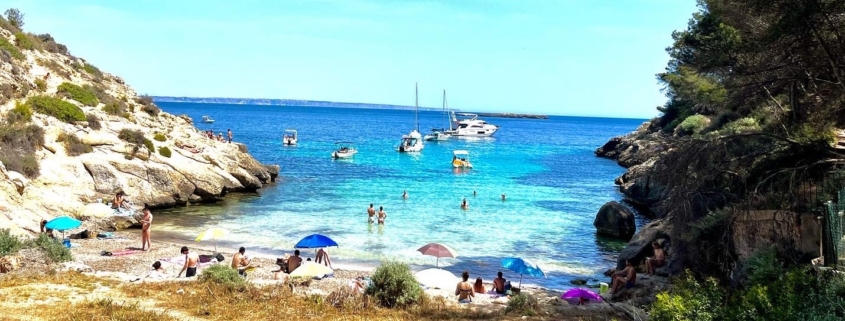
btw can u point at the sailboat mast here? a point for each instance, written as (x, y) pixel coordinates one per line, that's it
(444, 109)
(416, 104)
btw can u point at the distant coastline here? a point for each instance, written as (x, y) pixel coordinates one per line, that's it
(512, 115)
(284, 102)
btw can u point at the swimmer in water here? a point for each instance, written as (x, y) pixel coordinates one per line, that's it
(405, 194)
(473, 193)
(464, 204)
(503, 197)
(381, 215)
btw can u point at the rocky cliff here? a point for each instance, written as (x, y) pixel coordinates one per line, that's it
(124, 142)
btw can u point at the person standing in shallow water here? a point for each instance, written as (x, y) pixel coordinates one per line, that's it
(371, 213)
(464, 204)
(503, 197)
(381, 215)
(405, 194)
(230, 135)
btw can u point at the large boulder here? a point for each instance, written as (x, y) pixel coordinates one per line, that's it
(616, 220)
(638, 185)
(639, 247)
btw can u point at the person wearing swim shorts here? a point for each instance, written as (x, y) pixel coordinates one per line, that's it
(371, 214)
(657, 261)
(191, 262)
(381, 215)
(627, 277)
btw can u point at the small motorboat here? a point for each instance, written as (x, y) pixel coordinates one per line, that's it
(460, 159)
(289, 137)
(207, 119)
(437, 135)
(411, 143)
(344, 150)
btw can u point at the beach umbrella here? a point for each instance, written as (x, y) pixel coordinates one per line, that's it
(311, 269)
(62, 224)
(314, 241)
(522, 266)
(214, 234)
(579, 295)
(437, 250)
(437, 278)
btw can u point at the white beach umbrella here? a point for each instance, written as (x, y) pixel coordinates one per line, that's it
(437, 278)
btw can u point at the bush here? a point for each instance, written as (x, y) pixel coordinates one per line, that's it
(93, 121)
(149, 145)
(82, 95)
(694, 124)
(17, 148)
(151, 109)
(394, 285)
(89, 68)
(54, 66)
(222, 274)
(9, 244)
(11, 49)
(56, 107)
(164, 151)
(114, 108)
(742, 125)
(51, 45)
(41, 84)
(522, 304)
(132, 136)
(53, 248)
(24, 41)
(159, 137)
(73, 145)
(21, 113)
(689, 300)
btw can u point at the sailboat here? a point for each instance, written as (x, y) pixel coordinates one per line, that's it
(412, 142)
(440, 134)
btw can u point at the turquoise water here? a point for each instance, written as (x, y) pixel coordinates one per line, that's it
(553, 182)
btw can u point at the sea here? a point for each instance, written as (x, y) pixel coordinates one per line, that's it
(553, 184)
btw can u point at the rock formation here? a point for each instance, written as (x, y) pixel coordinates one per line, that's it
(616, 220)
(175, 165)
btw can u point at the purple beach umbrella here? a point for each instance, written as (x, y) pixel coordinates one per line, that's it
(579, 295)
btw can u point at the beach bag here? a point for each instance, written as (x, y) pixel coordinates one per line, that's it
(219, 257)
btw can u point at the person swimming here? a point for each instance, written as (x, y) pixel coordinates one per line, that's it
(405, 194)
(464, 204)
(503, 197)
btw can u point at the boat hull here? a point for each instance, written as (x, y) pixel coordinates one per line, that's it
(337, 154)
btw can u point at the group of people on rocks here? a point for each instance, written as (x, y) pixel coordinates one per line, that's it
(210, 135)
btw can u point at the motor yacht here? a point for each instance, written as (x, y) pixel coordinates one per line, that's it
(290, 137)
(470, 126)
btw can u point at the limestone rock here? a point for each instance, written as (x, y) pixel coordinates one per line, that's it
(9, 263)
(614, 219)
(18, 179)
(639, 247)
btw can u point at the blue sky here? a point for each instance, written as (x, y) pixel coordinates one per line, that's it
(567, 57)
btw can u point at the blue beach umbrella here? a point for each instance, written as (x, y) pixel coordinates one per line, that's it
(314, 241)
(522, 266)
(62, 224)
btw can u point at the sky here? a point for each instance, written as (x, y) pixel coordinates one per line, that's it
(556, 57)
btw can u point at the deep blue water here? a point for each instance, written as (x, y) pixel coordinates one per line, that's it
(553, 182)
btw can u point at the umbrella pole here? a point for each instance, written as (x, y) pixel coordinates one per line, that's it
(520, 281)
(437, 262)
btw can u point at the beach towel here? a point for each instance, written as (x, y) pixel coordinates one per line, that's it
(180, 260)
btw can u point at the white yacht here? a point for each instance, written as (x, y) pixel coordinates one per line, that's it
(344, 150)
(413, 142)
(290, 137)
(470, 126)
(207, 119)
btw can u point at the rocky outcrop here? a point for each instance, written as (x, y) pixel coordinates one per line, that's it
(616, 220)
(196, 169)
(639, 247)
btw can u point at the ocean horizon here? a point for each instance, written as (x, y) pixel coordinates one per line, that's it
(553, 182)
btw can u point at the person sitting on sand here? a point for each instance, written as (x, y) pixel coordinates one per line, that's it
(464, 289)
(626, 277)
(381, 215)
(191, 262)
(358, 286)
(323, 257)
(371, 214)
(657, 261)
(464, 204)
(499, 284)
(294, 261)
(478, 287)
(157, 273)
(240, 261)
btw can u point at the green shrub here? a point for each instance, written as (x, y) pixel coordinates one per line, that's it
(694, 124)
(82, 95)
(149, 145)
(89, 68)
(21, 113)
(51, 45)
(222, 274)
(9, 244)
(132, 136)
(114, 108)
(159, 137)
(41, 84)
(93, 121)
(164, 151)
(522, 304)
(18, 144)
(394, 285)
(24, 41)
(73, 145)
(689, 300)
(53, 248)
(11, 49)
(56, 107)
(54, 66)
